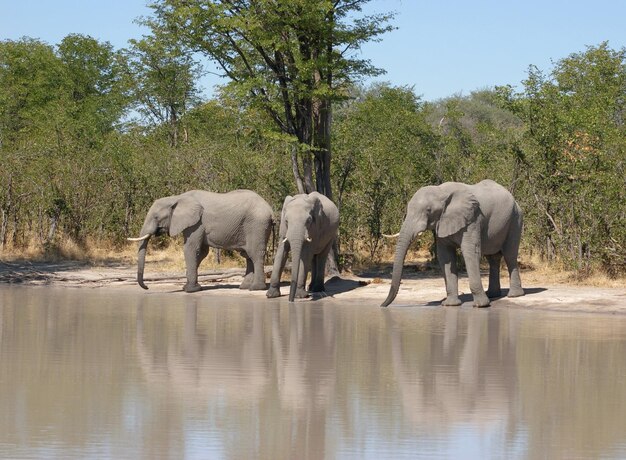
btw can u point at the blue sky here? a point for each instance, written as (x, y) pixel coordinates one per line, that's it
(440, 47)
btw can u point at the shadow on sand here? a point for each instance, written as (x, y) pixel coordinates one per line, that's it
(467, 299)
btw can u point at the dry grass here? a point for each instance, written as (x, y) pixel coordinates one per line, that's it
(163, 255)
(538, 271)
(166, 255)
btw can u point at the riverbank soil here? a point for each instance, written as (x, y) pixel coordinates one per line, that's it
(421, 286)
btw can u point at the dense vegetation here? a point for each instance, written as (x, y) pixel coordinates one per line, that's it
(90, 136)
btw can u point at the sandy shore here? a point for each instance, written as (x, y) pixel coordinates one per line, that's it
(417, 289)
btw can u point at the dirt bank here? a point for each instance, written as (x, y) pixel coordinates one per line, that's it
(417, 289)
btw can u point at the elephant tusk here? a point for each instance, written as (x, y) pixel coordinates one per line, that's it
(284, 241)
(309, 239)
(141, 238)
(391, 236)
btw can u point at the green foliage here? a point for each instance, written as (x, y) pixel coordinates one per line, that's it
(57, 109)
(72, 161)
(163, 77)
(574, 158)
(290, 59)
(478, 139)
(384, 153)
(95, 85)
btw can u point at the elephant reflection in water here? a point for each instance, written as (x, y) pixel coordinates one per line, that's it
(231, 368)
(304, 355)
(189, 366)
(439, 396)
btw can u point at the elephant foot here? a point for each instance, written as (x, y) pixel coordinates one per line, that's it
(317, 288)
(192, 288)
(515, 292)
(481, 301)
(301, 293)
(273, 292)
(247, 282)
(258, 286)
(494, 294)
(451, 301)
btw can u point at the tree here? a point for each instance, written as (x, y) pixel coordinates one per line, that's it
(574, 157)
(385, 149)
(94, 80)
(164, 78)
(32, 96)
(291, 58)
(478, 139)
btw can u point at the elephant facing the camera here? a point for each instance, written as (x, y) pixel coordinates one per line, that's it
(308, 227)
(481, 219)
(239, 220)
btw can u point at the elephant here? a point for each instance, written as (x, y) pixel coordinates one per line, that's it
(481, 219)
(308, 227)
(239, 220)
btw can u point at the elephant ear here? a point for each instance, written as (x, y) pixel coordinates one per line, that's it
(283, 222)
(460, 210)
(318, 207)
(186, 213)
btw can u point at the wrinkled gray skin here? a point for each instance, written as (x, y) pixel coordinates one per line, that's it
(481, 219)
(304, 217)
(239, 220)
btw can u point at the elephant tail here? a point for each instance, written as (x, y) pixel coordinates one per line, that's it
(273, 237)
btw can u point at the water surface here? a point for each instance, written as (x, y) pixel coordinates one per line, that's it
(99, 373)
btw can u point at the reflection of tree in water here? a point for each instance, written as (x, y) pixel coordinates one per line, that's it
(556, 384)
(262, 373)
(572, 374)
(296, 379)
(454, 378)
(160, 375)
(60, 370)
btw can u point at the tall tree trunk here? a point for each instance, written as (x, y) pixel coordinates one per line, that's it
(6, 213)
(322, 123)
(296, 169)
(307, 167)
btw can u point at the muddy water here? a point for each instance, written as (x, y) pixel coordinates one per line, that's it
(123, 374)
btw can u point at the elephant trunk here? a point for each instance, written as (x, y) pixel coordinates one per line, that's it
(146, 232)
(404, 240)
(296, 253)
(141, 256)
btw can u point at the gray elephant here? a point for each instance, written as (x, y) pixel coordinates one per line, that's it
(239, 220)
(481, 219)
(308, 227)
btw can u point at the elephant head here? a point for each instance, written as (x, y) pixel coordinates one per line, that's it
(170, 215)
(298, 230)
(440, 208)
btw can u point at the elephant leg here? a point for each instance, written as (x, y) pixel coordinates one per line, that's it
(313, 272)
(510, 252)
(471, 254)
(195, 251)
(258, 277)
(248, 277)
(277, 269)
(305, 267)
(319, 269)
(447, 261)
(494, 276)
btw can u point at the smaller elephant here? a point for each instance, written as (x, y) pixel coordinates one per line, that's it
(481, 219)
(308, 227)
(239, 220)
